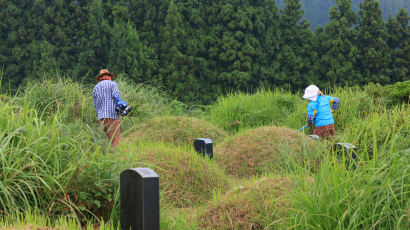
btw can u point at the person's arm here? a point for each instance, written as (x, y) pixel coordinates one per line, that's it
(311, 115)
(117, 97)
(335, 104)
(94, 99)
(117, 100)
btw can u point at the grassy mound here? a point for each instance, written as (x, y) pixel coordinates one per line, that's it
(186, 179)
(257, 205)
(178, 130)
(265, 149)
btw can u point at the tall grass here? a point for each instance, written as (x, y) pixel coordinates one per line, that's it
(57, 168)
(374, 196)
(55, 162)
(37, 221)
(242, 110)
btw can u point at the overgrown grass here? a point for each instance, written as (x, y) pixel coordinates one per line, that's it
(242, 110)
(56, 168)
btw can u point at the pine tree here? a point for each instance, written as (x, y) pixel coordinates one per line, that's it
(374, 58)
(173, 73)
(337, 62)
(54, 40)
(295, 54)
(128, 55)
(94, 43)
(399, 43)
(18, 32)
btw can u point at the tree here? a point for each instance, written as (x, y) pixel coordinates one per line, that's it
(338, 60)
(399, 42)
(295, 54)
(94, 43)
(128, 55)
(374, 58)
(173, 73)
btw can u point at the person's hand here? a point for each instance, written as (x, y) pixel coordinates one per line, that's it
(332, 110)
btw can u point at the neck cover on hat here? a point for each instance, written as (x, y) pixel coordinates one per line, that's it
(311, 92)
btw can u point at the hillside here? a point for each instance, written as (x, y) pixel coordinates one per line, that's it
(195, 51)
(58, 171)
(316, 12)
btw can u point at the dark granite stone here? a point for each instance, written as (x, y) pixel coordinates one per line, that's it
(349, 151)
(139, 197)
(204, 146)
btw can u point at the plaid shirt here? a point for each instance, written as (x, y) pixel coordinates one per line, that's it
(103, 96)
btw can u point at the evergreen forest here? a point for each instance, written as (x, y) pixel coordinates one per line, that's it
(198, 50)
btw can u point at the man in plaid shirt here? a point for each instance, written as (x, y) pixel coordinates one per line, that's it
(106, 97)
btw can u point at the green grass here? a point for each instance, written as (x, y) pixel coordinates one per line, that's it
(58, 170)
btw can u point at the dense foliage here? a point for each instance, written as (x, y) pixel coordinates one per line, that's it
(196, 50)
(311, 7)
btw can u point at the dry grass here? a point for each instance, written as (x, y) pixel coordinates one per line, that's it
(257, 205)
(177, 130)
(264, 149)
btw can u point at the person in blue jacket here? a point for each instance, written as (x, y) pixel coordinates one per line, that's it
(320, 111)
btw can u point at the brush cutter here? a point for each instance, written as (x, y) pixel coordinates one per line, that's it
(303, 127)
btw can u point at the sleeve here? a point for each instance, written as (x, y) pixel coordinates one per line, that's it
(94, 98)
(336, 102)
(311, 114)
(117, 97)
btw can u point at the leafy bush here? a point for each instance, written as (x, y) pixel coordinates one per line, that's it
(396, 93)
(399, 92)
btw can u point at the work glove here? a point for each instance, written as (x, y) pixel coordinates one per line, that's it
(122, 104)
(332, 110)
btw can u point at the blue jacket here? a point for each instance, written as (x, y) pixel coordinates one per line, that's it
(323, 111)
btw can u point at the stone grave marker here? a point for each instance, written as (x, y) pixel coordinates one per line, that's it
(204, 146)
(139, 199)
(349, 150)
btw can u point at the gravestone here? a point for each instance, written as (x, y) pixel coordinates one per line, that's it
(314, 137)
(139, 199)
(204, 146)
(349, 150)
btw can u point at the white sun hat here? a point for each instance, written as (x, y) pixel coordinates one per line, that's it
(311, 92)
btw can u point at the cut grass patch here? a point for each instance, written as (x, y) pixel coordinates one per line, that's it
(178, 130)
(266, 149)
(258, 204)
